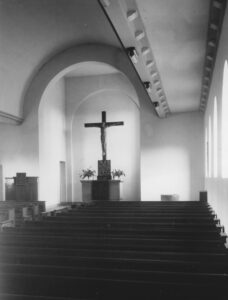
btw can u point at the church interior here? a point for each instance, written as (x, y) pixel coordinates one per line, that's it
(135, 87)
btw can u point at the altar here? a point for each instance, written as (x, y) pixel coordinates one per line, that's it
(102, 190)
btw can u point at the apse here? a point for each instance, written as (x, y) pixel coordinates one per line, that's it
(66, 146)
(123, 143)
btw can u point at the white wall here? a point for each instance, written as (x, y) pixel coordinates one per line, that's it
(18, 148)
(52, 141)
(112, 94)
(172, 157)
(218, 187)
(1, 184)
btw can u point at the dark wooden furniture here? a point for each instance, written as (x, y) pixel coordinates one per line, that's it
(21, 188)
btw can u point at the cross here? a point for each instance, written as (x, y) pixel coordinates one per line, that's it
(103, 125)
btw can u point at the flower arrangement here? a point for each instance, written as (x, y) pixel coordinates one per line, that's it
(117, 173)
(87, 173)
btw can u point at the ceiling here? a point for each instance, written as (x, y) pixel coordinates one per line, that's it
(180, 39)
(33, 31)
(177, 31)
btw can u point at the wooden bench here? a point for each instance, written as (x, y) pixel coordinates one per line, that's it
(7, 217)
(14, 212)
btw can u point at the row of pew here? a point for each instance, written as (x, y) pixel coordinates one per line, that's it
(117, 250)
(13, 213)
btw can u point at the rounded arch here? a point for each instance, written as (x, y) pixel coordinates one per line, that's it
(67, 60)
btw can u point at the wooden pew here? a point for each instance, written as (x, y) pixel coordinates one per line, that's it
(7, 217)
(19, 211)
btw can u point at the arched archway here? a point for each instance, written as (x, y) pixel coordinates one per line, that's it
(42, 91)
(56, 68)
(65, 62)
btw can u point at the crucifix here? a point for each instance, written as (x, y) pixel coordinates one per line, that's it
(103, 125)
(104, 165)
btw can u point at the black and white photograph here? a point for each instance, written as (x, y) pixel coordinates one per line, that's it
(113, 150)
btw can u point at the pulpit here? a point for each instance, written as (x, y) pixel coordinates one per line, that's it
(21, 188)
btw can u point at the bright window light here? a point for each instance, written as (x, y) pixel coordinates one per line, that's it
(209, 148)
(215, 139)
(225, 122)
(206, 152)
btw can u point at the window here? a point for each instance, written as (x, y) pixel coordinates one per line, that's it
(215, 139)
(225, 122)
(209, 148)
(206, 153)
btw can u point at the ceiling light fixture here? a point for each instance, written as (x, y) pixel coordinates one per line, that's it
(149, 63)
(154, 73)
(139, 35)
(214, 26)
(209, 57)
(132, 53)
(132, 15)
(156, 104)
(148, 86)
(145, 50)
(212, 43)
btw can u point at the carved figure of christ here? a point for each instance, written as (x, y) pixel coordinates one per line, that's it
(103, 125)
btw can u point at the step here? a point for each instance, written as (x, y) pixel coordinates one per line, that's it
(118, 263)
(111, 231)
(115, 273)
(149, 218)
(113, 288)
(152, 222)
(148, 244)
(144, 208)
(76, 224)
(137, 212)
(112, 253)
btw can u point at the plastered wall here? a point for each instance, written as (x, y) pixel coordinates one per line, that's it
(52, 142)
(172, 156)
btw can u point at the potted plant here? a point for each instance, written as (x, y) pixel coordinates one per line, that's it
(87, 173)
(117, 173)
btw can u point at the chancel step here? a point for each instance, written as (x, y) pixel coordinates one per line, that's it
(117, 250)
